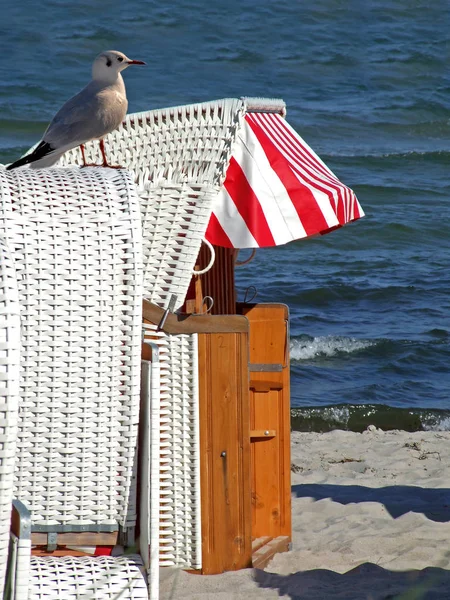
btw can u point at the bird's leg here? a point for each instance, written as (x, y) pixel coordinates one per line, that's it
(105, 160)
(102, 150)
(83, 156)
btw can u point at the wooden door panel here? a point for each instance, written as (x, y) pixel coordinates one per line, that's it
(269, 415)
(225, 452)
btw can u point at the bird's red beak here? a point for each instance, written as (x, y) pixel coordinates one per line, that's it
(136, 62)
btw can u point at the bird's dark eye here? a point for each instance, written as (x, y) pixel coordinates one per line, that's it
(119, 58)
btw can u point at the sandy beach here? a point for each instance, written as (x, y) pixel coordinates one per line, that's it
(371, 520)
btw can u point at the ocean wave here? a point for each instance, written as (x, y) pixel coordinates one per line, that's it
(307, 348)
(357, 418)
(432, 155)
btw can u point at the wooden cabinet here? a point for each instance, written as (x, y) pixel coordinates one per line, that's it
(245, 441)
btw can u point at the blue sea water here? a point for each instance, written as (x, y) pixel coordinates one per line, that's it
(367, 85)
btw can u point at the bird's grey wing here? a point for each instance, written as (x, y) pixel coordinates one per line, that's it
(48, 160)
(76, 122)
(91, 114)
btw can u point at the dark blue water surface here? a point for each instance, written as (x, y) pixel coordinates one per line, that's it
(367, 85)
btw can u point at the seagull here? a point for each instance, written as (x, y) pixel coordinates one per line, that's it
(91, 114)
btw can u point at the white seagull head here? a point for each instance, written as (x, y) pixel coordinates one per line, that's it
(108, 65)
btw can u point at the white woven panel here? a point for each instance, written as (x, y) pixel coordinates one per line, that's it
(76, 238)
(9, 395)
(180, 521)
(149, 459)
(174, 221)
(100, 578)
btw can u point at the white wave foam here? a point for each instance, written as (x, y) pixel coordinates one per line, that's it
(437, 424)
(307, 349)
(338, 415)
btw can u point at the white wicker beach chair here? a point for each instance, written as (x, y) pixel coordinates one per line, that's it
(9, 395)
(76, 241)
(179, 157)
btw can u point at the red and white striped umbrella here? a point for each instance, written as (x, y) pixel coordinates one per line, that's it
(277, 190)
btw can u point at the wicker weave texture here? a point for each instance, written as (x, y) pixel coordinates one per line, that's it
(180, 514)
(100, 578)
(149, 459)
(9, 395)
(76, 239)
(174, 221)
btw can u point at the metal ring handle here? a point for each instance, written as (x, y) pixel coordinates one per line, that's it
(211, 304)
(211, 262)
(240, 263)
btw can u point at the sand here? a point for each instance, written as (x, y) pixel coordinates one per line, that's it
(371, 520)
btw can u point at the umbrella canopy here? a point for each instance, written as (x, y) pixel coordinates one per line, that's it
(277, 189)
